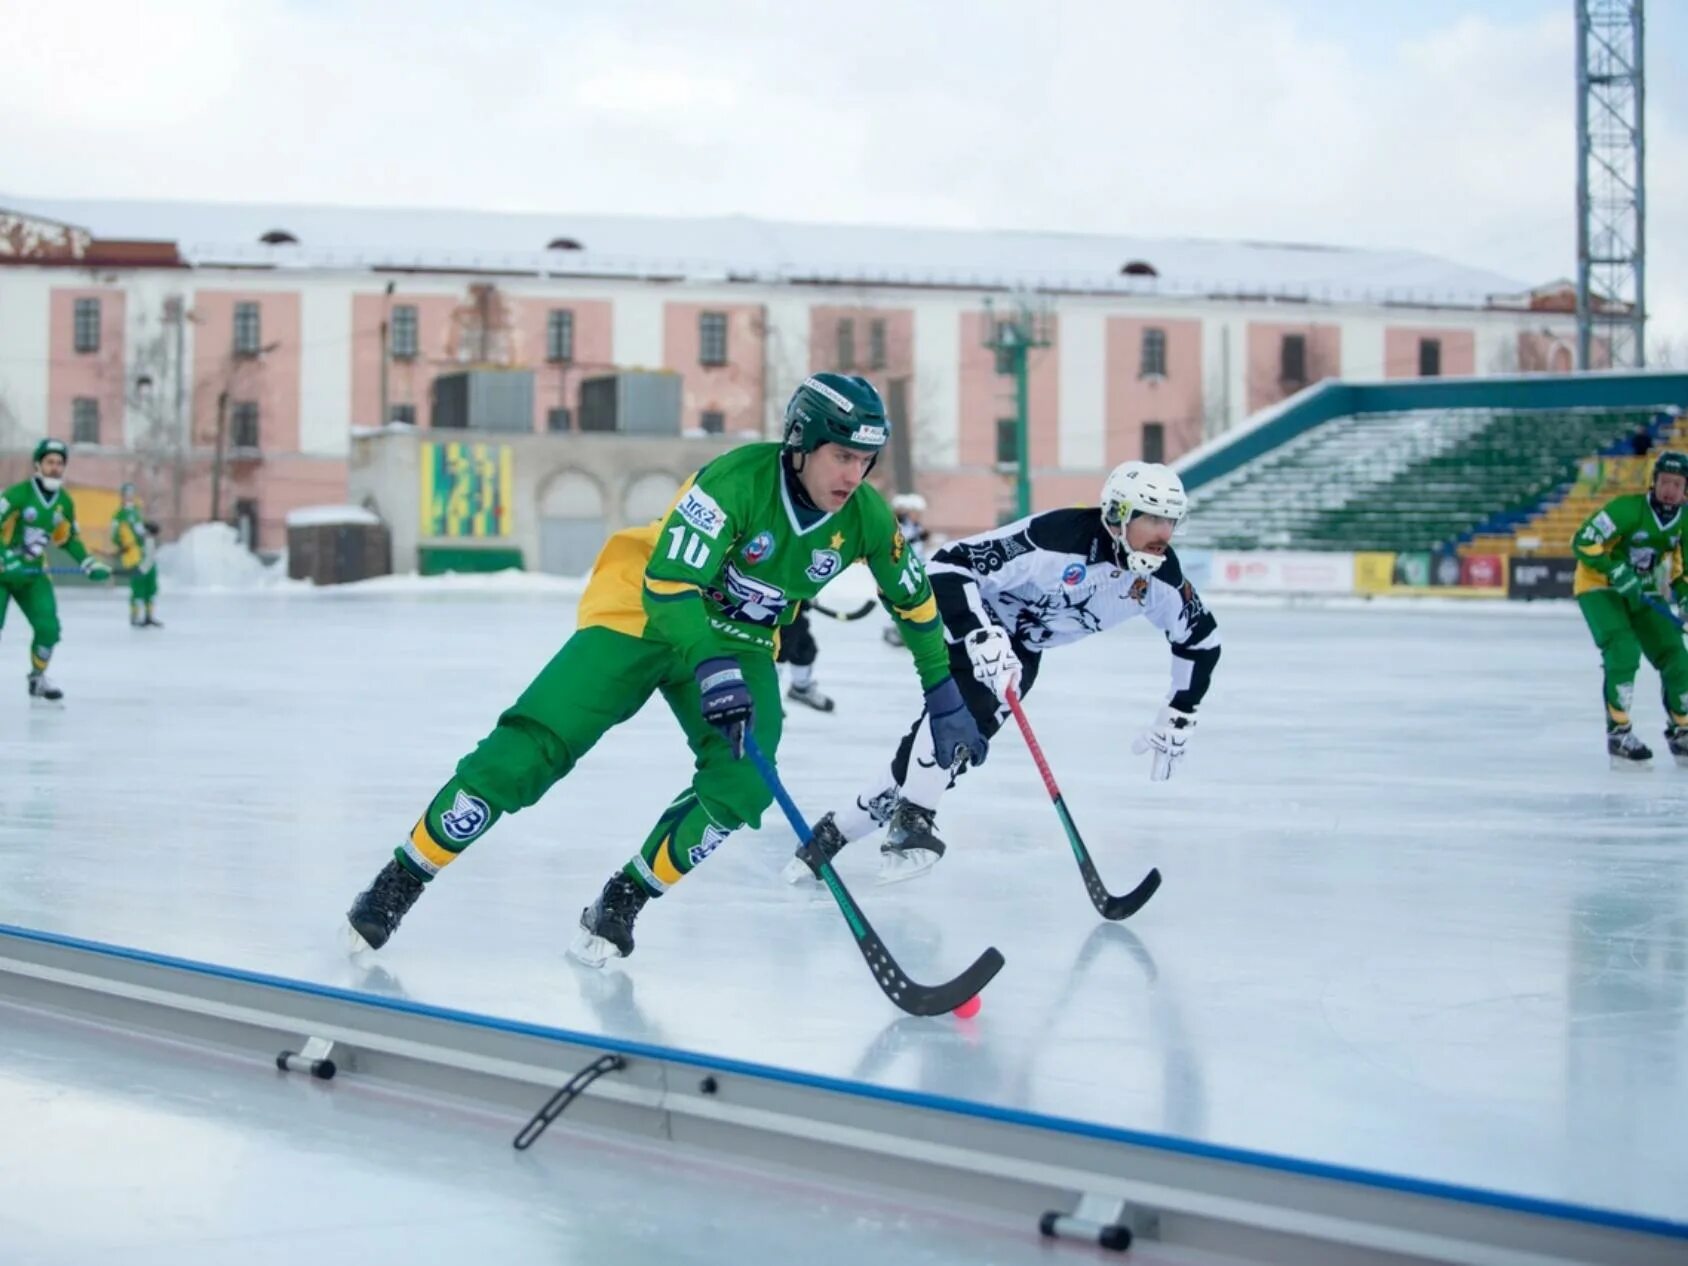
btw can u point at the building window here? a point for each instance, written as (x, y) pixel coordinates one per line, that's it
(1007, 442)
(246, 329)
(401, 332)
(713, 421)
(84, 420)
(405, 413)
(1429, 358)
(1154, 442)
(246, 521)
(846, 345)
(1151, 361)
(243, 424)
(559, 420)
(712, 338)
(559, 335)
(876, 345)
(1292, 359)
(85, 323)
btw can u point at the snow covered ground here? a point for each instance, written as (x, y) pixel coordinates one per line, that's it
(1411, 921)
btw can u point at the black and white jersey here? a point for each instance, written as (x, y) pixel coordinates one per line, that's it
(1055, 577)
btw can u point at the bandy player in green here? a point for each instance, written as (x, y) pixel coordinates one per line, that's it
(1629, 557)
(34, 514)
(134, 539)
(691, 606)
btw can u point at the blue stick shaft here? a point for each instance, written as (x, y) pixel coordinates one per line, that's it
(793, 814)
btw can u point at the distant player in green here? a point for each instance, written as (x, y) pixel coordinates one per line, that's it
(1629, 561)
(134, 539)
(34, 514)
(692, 606)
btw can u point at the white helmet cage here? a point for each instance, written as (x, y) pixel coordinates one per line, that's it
(1141, 488)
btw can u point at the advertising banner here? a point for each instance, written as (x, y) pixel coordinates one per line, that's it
(1281, 571)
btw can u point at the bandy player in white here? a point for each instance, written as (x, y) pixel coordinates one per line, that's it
(1008, 596)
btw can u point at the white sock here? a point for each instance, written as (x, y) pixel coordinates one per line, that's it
(802, 676)
(855, 820)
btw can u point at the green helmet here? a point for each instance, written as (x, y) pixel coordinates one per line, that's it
(1671, 463)
(836, 409)
(46, 447)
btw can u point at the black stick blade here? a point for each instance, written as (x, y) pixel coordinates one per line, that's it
(919, 999)
(1115, 908)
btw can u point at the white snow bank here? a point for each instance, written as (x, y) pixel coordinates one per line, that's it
(210, 556)
(318, 516)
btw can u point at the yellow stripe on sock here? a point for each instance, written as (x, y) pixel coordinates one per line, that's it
(424, 843)
(664, 868)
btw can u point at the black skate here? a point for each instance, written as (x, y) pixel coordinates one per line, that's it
(150, 623)
(1676, 740)
(911, 846)
(41, 687)
(823, 846)
(1627, 751)
(375, 914)
(811, 696)
(606, 926)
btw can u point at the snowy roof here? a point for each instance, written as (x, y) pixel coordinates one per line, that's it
(745, 249)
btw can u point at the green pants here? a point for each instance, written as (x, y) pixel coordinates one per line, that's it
(1624, 631)
(599, 679)
(143, 585)
(33, 592)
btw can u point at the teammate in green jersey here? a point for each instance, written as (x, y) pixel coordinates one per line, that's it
(134, 538)
(34, 514)
(1629, 560)
(692, 606)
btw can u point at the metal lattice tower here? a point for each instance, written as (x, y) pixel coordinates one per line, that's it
(1611, 182)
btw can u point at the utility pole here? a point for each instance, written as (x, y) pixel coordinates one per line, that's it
(1611, 182)
(1013, 337)
(217, 456)
(386, 349)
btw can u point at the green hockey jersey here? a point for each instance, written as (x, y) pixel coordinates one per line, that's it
(31, 519)
(728, 565)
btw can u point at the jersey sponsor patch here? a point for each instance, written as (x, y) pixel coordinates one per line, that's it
(747, 600)
(1602, 528)
(1074, 574)
(867, 433)
(703, 512)
(824, 564)
(467, 817)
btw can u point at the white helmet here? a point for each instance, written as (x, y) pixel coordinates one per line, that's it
(1141, 488)
(909, 502)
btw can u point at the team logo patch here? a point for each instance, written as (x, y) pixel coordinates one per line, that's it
(712, 837)
(824, 564)
(1074, 574)
(29, 514)
(1139, 591)
(898, 544)
(703, 512)
(467, 817)
(760, 548)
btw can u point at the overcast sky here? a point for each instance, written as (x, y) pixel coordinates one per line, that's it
(1441, 125)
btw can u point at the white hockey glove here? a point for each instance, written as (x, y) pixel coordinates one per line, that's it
(1167, 738)
(995, 666)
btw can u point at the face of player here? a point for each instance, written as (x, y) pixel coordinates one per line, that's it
(1149, 533)
(832, 473)
(51, 469)
(1670, 490)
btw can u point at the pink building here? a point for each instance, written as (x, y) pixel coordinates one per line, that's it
(289, 327)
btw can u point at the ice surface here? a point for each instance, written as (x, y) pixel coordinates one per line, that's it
(1411, 921)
